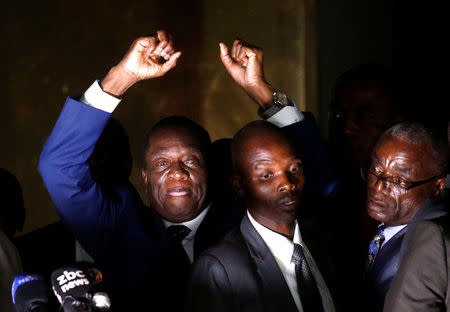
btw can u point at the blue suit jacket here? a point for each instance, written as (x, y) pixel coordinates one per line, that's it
(127, 239)
(384, 268)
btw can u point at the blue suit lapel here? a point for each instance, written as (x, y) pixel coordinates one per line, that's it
(386, 264)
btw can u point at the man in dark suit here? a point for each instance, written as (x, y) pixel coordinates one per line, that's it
(263, 265)
(408, 166)
(422, 281)
(144, 252)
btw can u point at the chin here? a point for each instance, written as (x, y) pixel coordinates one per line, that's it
(179, 213)
(377, 215)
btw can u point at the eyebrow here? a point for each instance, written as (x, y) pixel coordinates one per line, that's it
(262, 162)
(162, 152)
(403, 169)
(396, 167)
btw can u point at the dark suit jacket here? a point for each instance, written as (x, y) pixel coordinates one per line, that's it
(387, 262)
(239, 274)
(422, 282)
(125, 238)
(380, 275)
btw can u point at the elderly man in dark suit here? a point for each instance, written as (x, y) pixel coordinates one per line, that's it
(408, 166)
(263, 265)
(422, 281)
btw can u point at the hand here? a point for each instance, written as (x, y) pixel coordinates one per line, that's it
(147, 58)
(245, 65)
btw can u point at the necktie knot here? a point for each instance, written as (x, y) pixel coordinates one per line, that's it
(297, 255)
(176, 233)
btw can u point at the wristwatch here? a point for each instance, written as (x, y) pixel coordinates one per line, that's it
(280, 101)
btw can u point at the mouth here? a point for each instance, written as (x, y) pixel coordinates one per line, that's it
(375, 204)
(178, 192)
(289, 202)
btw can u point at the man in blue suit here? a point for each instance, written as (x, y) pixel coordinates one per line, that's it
(408, 166)
(145, 253)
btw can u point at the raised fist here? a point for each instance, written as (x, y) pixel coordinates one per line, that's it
(147, 58)
(245, 65)
(150, 57)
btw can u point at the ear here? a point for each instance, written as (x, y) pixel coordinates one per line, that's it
(236, 183)
(439, 186)
(144, 176)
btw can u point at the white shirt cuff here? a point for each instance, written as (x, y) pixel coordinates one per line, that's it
(286, 116)
(96, 97)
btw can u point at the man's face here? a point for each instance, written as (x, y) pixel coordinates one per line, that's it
(271, 179)
(359, 116)
(176, 175)
(399, 161)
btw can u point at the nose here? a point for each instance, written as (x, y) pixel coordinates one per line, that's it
(350, 126)
(286, 184)
(178, 172)
(380, 185)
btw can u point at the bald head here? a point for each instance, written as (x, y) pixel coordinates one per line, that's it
(253, 135)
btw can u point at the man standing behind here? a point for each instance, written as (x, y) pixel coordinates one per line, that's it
(408, 166)
(263, 265)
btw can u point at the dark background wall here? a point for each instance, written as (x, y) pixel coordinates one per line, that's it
(352, 32)
(52, 49)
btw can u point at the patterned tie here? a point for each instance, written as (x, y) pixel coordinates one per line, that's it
(307, 287)
(374, 246)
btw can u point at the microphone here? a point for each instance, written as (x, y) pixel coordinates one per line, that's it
(78, 288)
(30, 293)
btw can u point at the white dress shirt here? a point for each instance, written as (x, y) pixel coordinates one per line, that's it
(282, 249)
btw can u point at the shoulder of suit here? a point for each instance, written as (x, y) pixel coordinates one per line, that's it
(230, 250)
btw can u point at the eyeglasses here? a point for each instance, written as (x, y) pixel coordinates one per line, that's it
(373, 175)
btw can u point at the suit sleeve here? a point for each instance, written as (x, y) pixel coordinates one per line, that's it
(63, 165)
(210, 288)
(317, 166)
(421, 280)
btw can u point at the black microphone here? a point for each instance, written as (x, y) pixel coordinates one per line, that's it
(30, 293)
(78, 288)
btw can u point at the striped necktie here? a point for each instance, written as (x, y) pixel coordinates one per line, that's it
(307, 287)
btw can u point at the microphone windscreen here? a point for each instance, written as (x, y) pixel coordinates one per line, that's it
(29, 291)
(78, 283)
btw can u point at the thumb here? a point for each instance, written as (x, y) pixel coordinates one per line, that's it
(171, 62)
(225, 56)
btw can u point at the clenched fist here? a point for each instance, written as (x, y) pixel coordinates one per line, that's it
(147, 58)
(245, 65)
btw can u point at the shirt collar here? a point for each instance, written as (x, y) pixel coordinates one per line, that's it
(191, 224)
(390, 231)
(281, 247)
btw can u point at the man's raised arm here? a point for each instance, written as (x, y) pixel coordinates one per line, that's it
(63, 165)
(245, 65)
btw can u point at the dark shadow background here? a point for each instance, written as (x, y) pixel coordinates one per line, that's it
(52, 49)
